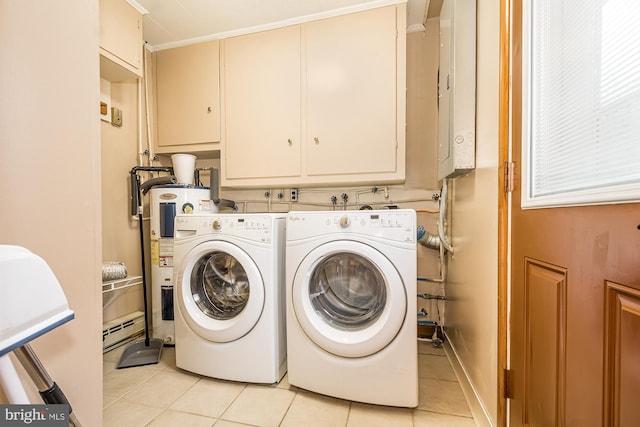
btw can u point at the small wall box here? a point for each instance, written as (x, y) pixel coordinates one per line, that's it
(116, 116)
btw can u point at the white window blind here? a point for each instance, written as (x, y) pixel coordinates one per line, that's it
(581, 95)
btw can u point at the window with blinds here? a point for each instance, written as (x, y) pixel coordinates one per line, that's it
(581, 102)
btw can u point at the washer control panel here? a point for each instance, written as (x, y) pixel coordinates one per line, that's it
(257, 227)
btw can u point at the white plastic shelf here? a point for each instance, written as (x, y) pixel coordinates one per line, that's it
(116, 285)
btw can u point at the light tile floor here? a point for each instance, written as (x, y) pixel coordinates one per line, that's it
(162, 395)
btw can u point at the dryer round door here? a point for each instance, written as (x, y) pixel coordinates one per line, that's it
(349, 298)
(220, 291)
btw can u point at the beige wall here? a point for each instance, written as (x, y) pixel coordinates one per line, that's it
(472, 287)
(422, 107)
(50, 176)
(120, 234)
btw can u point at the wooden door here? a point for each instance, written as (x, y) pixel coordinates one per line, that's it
(575, 304)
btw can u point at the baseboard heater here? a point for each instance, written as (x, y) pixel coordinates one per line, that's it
(122, 330)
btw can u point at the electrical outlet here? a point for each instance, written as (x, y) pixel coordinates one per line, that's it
(294, 195)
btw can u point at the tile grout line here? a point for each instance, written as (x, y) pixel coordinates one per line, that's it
(172, 369)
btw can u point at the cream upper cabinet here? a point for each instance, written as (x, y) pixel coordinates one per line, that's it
(317, 103)
(261, 72)
(351, 72)
(188, 98)
(120, 41)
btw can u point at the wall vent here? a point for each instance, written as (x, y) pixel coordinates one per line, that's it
(122, 330)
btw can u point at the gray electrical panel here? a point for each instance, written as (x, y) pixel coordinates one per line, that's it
(457, 88)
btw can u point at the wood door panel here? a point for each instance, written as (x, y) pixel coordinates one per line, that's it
(622, 356)
(545, 325)
(595, 244)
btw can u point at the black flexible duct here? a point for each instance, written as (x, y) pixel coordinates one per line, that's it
(215, 194)
(163, 180)
(134, 182)
(152, 169)
(134, 201)
(214, 184)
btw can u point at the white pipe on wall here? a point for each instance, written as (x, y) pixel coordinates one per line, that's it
(140, 122)
(145, 73)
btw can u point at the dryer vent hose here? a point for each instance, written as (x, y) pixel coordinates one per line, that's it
(428, 240)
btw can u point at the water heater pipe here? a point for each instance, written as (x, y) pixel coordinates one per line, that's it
(134, 181)
(215, 192)
(163, 180)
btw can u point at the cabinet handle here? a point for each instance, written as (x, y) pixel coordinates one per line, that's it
(208, 109)
(290, 141)
(317, 140)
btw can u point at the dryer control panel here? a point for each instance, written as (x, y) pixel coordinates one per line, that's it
(396, 225)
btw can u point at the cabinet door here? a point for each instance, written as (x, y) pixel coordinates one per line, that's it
(351, 68)
(188, 94)
(121, 34)
(262, 104)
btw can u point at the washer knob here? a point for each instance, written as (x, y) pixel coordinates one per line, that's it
(344, 222)
(216, 225)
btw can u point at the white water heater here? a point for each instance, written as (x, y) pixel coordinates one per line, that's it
(457, 88)
(165, 202)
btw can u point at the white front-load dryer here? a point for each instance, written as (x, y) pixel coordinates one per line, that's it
(351, 305)
(229, 301)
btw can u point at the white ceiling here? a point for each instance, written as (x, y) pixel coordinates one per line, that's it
(171, 23)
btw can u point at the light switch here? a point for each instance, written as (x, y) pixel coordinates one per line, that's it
(116, 116)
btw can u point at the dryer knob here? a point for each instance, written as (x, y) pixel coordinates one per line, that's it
(216, 225)
(344, 222)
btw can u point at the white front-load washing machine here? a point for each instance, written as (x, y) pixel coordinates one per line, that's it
(351, 305)
(229, 279)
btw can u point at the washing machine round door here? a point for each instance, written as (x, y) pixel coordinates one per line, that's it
(349, 298)
(220, 291)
